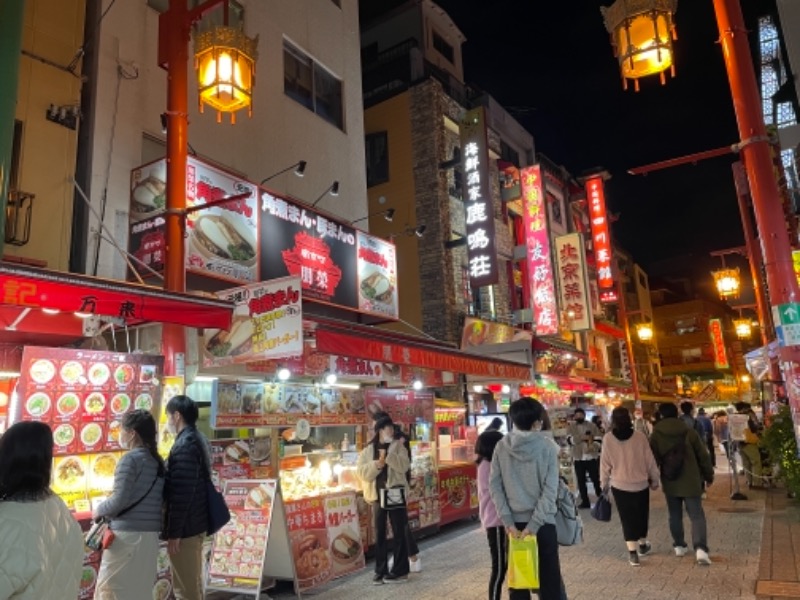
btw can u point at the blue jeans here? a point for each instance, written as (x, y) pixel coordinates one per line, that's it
(697, 518)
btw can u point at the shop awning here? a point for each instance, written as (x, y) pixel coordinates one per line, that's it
(569, 383)
(609, 329)
(551, 343)
(372, 343)
(39, 304)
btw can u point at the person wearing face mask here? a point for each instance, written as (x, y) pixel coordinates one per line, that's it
(581, 436)
(128, 567)
(186, 515)
(641, 424)
(383, 464)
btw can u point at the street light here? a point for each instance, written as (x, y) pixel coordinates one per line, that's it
(644, 332)
(743, 328)
(642, 32)
(229, 90)
(728, 282)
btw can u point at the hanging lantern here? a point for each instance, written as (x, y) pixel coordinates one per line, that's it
(225, 60)
(642, 32)
(727, 282)
(645, 332)
(743, 328)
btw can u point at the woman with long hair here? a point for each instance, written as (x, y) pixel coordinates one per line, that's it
(383, 464)
(627, 465)
(128, 567)
(42, 547)
(490, 521)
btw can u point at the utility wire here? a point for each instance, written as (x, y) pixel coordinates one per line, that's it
(73, 64)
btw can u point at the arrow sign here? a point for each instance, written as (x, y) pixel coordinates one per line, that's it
(789, 313)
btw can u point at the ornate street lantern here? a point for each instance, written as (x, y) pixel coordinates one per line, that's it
(743, 328)
(727, 282)
(225, 60)
(642, 32)
(645, 332)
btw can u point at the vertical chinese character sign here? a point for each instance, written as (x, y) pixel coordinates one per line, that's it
(540, 265)
(571, 262)
(718, 344)
(601, 238)
(481, 253)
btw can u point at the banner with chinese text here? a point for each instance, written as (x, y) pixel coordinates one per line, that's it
(601, 238)
(574, 284)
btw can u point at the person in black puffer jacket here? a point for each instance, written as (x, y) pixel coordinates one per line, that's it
(186, 517)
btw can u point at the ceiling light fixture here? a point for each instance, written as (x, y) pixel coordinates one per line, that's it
(283, 374)
(299, 170)
(417, 384)
(331, 378)
(333, 190)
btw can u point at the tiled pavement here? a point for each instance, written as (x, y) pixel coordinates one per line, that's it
(779, 568)
(455, 562)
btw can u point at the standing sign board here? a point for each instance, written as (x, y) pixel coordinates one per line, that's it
(241, 551)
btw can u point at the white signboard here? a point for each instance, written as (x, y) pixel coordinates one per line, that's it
(573, 282)
(377, 276)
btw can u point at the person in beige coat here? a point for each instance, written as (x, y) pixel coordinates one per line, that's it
(41, 545)
(383, 464)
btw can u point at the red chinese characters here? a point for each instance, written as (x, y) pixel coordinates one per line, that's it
(718, 344)
(601, 236)
(540, 266)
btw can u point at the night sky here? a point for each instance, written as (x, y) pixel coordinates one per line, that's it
(551, 64)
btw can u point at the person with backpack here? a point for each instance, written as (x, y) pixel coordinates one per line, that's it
(627, 466)
(685, 464)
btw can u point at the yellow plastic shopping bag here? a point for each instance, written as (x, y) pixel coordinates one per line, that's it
(523, 563)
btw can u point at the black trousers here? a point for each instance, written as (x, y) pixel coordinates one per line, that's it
(411, 543)
(634, 512)
(399, 519)
(498, 548)
(592, 468)
(551, 587)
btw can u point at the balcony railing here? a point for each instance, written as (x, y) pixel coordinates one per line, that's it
(19, 215)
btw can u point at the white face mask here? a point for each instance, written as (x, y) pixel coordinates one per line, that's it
(171, 426)
(125, 440)
(387, 438)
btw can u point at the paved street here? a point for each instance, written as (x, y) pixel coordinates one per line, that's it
(455, 562)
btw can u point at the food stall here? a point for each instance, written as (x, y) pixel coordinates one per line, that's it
(458, 487)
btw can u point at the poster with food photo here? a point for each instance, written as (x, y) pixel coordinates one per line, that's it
(344, 533)
(239, 549)
(377, 276)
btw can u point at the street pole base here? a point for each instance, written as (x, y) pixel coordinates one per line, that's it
(738, 496)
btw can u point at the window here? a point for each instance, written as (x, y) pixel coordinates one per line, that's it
(312, 85)
(443, 48)
(377, 156)
(16, 151)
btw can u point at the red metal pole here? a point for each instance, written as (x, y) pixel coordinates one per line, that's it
(755, 149)
(174, 37)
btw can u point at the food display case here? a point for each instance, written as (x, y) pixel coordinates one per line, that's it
(458, 486)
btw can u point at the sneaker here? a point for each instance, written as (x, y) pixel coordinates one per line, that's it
(584, 505)
(416, 565)
(702, 557)
(378, 579)
(633, 559)
(644, 548)
(391, 578)
(681, 550)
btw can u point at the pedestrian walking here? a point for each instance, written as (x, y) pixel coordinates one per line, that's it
(490, 521)
(627, 466)
(642, 424)
(708, 430)
(722, 432)
(693, 467)
(128, 567)
(186, 524)
(581, 435)
(41, 546)
(523, 484)
(382, 465)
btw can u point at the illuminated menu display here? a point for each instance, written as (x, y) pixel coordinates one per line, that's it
(540, 264)
(481, 253)
(601, 238)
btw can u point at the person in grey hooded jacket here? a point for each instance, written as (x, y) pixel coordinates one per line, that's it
(523, 484)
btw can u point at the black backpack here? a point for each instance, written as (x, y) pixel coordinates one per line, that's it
(672, 460)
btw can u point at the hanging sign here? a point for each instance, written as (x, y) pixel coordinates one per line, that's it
(481, 252)
(540, 265)
(718, 344)
(601, 238)
(571, 260)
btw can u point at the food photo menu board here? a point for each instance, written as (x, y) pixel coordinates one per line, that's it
(83, 395)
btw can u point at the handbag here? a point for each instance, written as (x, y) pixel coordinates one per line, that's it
(569, 525)
(218, 513)
(523, 563)
(601, 510)
(393, 498)
(100, 535)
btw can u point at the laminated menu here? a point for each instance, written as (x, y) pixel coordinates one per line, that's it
(84, 395)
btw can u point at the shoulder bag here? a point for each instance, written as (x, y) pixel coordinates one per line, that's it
(601, 510)
(100, 535)
(218, 513)
(393, 498)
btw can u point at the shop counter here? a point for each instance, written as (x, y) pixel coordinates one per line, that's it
(458, 491)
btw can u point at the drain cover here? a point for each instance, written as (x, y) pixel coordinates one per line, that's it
(778, 589)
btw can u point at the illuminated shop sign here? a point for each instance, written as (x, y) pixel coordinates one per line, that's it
(601, 238)
(571, 261)
(718, 344)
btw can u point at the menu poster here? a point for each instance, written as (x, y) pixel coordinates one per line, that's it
(344, 533)
(423, 498)
(173, 386)
(404, 406)
(377, 276)
(456, 486)
(284, 404)
(83, 395)
(162, 588)
(267, 324)
(238, 551)
(241, 458)
(6, 391)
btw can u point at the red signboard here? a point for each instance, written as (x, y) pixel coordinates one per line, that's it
(601, 236)
(458, 494)
(540, 264)
(404, 406)
(718, 344)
